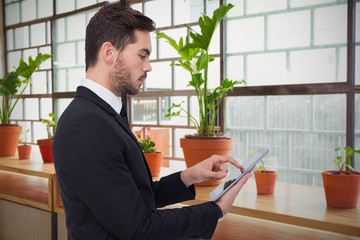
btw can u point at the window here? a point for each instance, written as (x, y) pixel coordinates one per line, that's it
(294, 55)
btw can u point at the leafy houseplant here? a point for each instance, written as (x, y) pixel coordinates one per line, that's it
(344, 163)
(342, 186)
(153, 158)
(146, 144)
(265, 179)
(12, 87)
(45, 145)
(195, 59)
(24, 150)
(50, 125)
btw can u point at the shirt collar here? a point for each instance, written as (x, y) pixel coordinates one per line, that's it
(104, 93)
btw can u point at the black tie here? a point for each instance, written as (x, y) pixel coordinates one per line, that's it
(123, 112)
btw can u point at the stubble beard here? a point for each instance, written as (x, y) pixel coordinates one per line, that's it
(121, 79)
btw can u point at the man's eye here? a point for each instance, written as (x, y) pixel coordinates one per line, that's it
(142, 56)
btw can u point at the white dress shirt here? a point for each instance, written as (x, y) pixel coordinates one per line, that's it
(104, 93)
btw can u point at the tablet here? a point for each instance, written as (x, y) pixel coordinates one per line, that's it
(236, 175)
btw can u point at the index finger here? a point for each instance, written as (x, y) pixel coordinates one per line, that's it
(230, 160)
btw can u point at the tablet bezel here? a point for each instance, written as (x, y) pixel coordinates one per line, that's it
(236, 175)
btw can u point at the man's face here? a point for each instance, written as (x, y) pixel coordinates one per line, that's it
(132, 65)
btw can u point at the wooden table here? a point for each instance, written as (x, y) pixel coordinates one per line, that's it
(33, 183)
(298, 205)
(27, 182)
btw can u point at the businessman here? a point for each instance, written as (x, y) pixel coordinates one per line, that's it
(105, 183)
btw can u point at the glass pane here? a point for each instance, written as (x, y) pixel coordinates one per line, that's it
(166, 102)
(357, 21)
(31, 108)
(45, 107)
(17, 113)
(187, 11)
(10, 39)
(160, 77)
(296, 109)
(85, 3)
(300, 131)
(357, 130)
(301, 3)
(313, 66)
(211, 6)
(330, 30)
(238, 8)
(298, 42)
(61, 105)
(181, 79)
(334, 116)
(22, 37)
(13, 60)
(235, 68)
(45, 8)
(29, 52)
(12, 15)
(161, 138)
(75, 27)
(65, 6)
(144, 110)
(69, 55)
(265, 6)
(289, 30)
(251, 37)
(46, 64)
(38, 34)
(152, 11)
(165, 50)
(25, 135)
(357, 60)
(39, 83)
(39, 131)
(137, 6)
(28, 12)
(250, 112)
(214, 74)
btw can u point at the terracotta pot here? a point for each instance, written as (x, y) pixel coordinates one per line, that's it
(9, 137)
(196, 150)
(265, 182)
(341, 190)
(154, 162)
(24, 151)
(45, 146)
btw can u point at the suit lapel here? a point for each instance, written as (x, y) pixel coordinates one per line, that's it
(123, 121)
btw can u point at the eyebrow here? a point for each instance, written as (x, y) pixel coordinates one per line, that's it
(147, 51)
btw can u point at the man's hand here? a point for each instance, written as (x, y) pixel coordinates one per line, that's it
(226, 201)
(213, 168)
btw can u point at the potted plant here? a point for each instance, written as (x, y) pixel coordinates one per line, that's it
(24, 150)
(12, 87)
(45, 145)
(342, 186)
(153, 158)
(265, 179)
(195, 59)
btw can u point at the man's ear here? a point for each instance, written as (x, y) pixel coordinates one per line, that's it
(108, 52)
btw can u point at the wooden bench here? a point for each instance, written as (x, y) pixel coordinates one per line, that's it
(235, 226)
(293, 212)
(298, 205)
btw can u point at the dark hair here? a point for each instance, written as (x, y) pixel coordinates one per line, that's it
(115, 24)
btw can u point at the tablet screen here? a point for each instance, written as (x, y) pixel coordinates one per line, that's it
(236, 175)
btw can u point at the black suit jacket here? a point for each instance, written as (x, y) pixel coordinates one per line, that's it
(106, 186)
